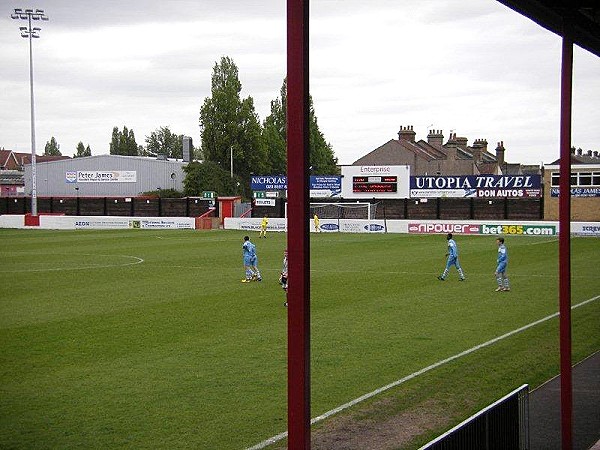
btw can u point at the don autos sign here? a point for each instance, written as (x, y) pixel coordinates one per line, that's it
(481, 186)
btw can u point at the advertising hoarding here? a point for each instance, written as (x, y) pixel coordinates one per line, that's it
(321, 186)
(476, 186)
(578, 192)
(375, 182)
(99, 176)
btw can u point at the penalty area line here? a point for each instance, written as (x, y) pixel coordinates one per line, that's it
(378, 391)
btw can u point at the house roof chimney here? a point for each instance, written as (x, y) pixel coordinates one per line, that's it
(451, 153)
(435, 138)
(478, 147)
(482, 143)
(461, 141)
(500, 153)
(406, 133)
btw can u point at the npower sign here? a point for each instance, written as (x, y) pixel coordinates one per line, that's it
(436, 228)
(495, 229)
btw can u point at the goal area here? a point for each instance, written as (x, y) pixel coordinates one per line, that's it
(358, 210)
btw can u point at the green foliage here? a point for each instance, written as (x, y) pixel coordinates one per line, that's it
(321, 156)
(164, 193)
(274, 133)
(209, 176)
(82, 151)
(164, 142)
(322, 159)
(52, 148)
(123, 142)
(147, 339)
(230, 126)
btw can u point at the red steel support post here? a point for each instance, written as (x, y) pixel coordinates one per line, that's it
(298, 231)
(564, 244)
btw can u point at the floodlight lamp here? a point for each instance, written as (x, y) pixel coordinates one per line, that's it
(44, 17)
(29, 11)
(39, 11)
(23, 28)
(36, 29)
(14, 16)
(18, 11)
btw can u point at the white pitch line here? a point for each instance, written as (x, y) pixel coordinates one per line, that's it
(542, 242)
(398, 272)
(56, 269)
(378, 391)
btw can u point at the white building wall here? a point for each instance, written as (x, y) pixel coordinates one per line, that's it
(55, 178)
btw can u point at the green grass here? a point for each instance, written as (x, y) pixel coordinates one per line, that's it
(103, 350)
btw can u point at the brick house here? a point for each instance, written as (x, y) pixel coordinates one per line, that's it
(585, 187)
(12, 171)
(434, 157)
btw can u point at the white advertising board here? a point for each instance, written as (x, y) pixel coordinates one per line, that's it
(264, 201)
(98, 176)
(369, 182)
(116, 222)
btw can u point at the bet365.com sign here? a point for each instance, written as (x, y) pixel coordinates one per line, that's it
(525, 230)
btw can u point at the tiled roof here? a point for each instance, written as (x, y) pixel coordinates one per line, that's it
(580, 159)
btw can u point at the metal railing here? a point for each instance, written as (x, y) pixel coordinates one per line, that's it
(503, 425)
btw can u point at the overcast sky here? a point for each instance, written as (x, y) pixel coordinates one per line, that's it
(469, 66)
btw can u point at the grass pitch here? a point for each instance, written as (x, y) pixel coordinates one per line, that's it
(148, 339)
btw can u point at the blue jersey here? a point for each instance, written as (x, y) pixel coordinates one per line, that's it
(502, 255)
(248, 249)
(452, 249)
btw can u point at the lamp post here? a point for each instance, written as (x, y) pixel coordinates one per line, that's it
(29, 32)
(77, 206)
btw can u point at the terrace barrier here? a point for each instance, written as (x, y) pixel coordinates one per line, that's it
(503, 425)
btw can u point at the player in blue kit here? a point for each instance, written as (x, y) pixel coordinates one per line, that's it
(501, 264)
(250, 261)
(452, 260)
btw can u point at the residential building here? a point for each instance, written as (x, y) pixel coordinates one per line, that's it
(585, 187)
(434, 157)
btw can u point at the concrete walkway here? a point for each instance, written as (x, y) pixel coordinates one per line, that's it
(544, 409)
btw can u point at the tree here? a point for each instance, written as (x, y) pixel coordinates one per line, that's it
(322, 158)
(274, 133)
(230, 126)
(208, 176)
(82, 150)
(123, 143)
(163, 142)
(52, 148)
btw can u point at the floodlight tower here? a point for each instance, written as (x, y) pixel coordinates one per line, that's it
(31, 33)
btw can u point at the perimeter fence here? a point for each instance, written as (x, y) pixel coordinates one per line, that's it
(503, 425)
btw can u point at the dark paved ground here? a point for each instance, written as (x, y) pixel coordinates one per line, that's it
(544, 409)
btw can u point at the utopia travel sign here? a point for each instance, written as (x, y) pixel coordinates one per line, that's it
(476, 186)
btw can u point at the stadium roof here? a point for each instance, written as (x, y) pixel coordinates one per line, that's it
(583, 15)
